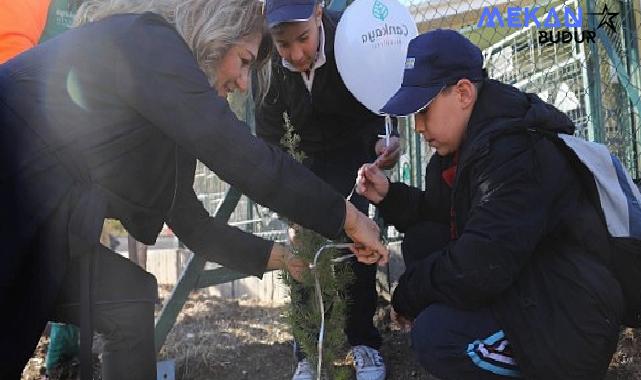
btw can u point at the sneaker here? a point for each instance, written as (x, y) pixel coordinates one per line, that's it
(304, 371)
(368, 363)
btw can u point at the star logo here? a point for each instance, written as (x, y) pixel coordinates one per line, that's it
(607, 18)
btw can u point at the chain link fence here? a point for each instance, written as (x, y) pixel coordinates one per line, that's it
(596, 83)
(248, 215)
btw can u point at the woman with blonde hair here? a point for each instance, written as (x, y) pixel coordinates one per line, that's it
(107, 120)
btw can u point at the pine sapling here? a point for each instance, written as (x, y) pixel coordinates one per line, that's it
(303, 314)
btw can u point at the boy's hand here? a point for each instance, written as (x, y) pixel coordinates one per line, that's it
(372, 183)
(387, 155)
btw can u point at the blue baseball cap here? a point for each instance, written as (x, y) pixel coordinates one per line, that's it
(435, 59)
(278, 11)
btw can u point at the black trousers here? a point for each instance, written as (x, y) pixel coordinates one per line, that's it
(455, 344)
(123, 313)
(451, 343)
(339, 168)
(42, 283)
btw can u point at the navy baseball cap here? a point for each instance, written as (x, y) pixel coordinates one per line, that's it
(278, 11)
(435, 60)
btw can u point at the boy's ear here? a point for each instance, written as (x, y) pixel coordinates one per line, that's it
(466, 92)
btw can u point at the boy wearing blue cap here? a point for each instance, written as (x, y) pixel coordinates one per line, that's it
(522, 286)
(337, 134)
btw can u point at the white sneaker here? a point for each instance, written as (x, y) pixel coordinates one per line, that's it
(304, 371)
(368, 363)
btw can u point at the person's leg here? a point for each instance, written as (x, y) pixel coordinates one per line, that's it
(361, 305)
(64, 345)
(300, 298)
(362, 298)
(28, 287)
(23, 320)
(123, 312)
(460, 345)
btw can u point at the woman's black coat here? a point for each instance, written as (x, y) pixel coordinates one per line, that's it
(108, 120)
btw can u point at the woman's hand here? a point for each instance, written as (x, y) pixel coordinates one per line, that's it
(282, 258)
(372, 183)
(365, 235)
(296, 266)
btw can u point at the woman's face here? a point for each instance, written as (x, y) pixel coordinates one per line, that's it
(232, 73)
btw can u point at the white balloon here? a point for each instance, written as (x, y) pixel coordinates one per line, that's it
(370, 46)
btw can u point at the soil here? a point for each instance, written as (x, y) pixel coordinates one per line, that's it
(231, 340)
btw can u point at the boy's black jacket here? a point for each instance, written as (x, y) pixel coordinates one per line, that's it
(530, 244)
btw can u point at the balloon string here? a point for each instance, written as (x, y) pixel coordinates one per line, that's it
(349, 197)
(388, 122)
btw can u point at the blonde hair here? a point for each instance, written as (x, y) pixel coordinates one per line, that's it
(209, 27)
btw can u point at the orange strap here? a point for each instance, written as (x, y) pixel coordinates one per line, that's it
(21, 25)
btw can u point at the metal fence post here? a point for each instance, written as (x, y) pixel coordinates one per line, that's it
(190, 277)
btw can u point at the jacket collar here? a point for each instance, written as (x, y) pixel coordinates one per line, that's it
(501, 108)
(330, 21)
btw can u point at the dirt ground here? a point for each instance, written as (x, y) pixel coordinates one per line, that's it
(232, 340)
(226, 340)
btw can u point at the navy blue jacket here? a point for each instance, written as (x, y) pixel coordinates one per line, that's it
(529, 243)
